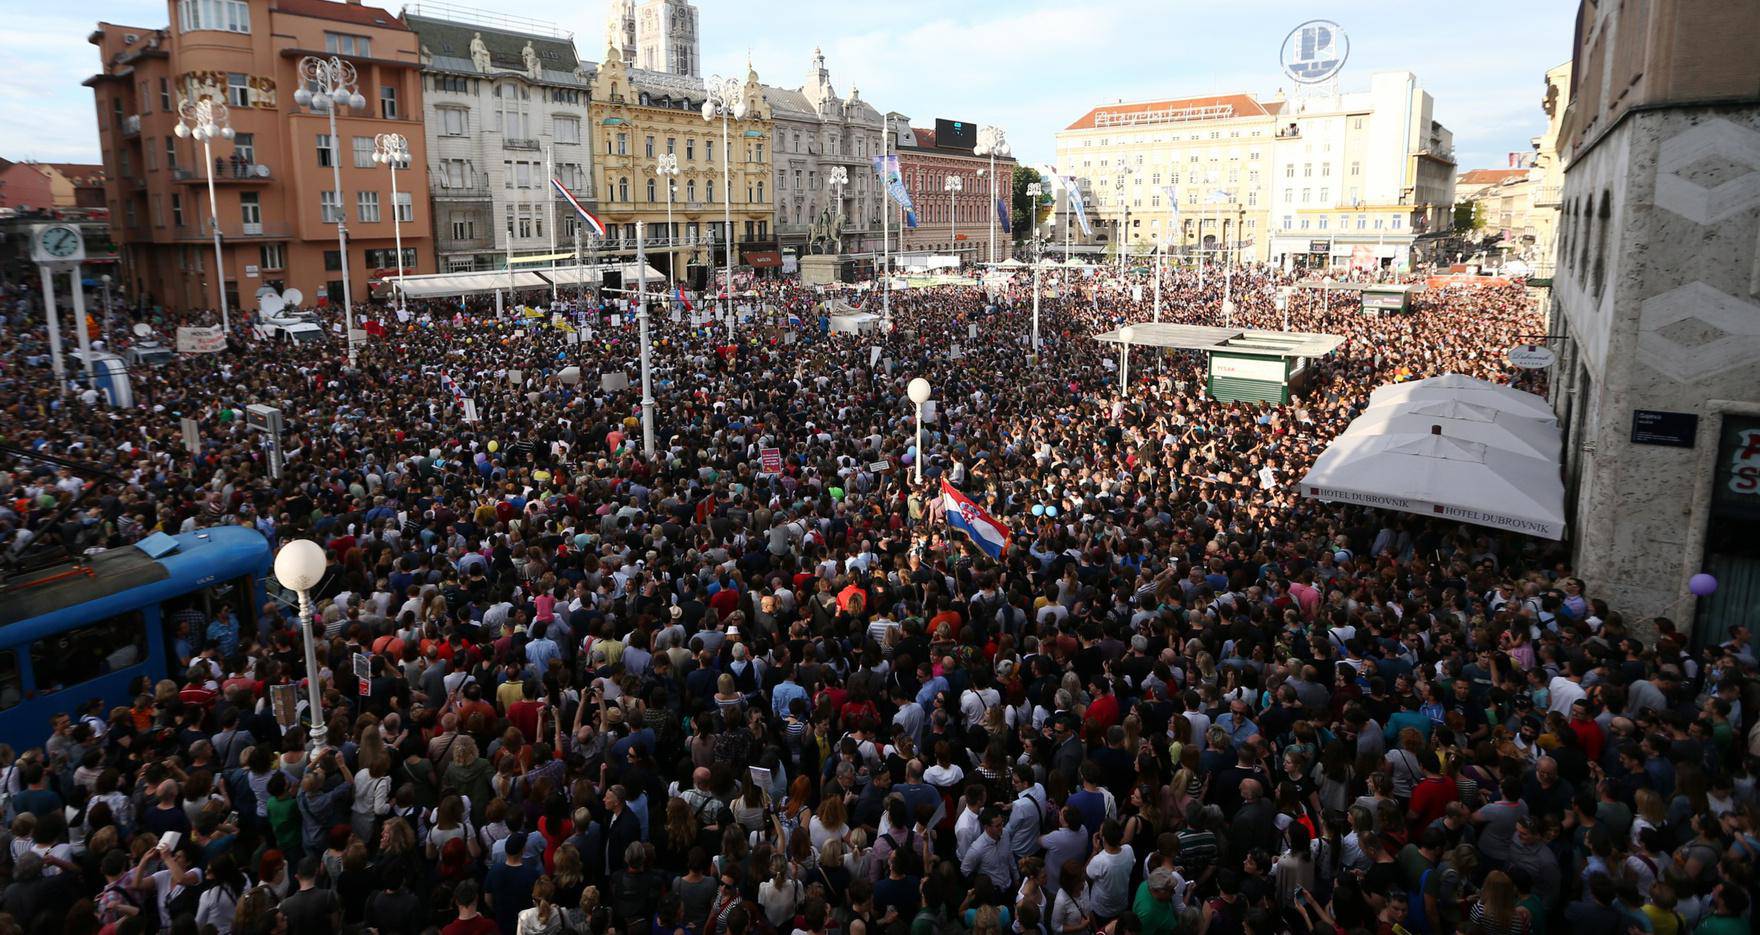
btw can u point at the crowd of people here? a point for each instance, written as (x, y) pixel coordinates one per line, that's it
(683, 694)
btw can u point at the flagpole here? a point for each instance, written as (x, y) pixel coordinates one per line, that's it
(548, 171)
(885, 219)
(642, 322)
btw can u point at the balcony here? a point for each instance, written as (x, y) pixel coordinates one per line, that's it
(280, 230)
(1549, 196)
(514, 143)
(226, 172)
(478, 191)
(131, 125)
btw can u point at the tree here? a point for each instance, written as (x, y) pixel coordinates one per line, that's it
(1025, 212)
(1469, 215)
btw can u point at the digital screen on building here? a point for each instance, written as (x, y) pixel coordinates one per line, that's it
(956, 134)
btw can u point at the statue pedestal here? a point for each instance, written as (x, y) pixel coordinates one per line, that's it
(821, 269)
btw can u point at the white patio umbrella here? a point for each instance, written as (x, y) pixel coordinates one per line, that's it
(1467, 390)
(1498, 428)
(1434, 475)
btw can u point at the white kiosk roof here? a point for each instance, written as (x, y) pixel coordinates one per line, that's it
(1235, 340)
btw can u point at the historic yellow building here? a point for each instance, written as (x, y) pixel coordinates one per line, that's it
(640, 116)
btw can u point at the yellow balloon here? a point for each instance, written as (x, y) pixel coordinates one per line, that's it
(494, 446)
(540, 476)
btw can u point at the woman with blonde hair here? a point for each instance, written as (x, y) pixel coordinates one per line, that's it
(1651, 812)
(1495, 910)
(544, 918)
(780, 895)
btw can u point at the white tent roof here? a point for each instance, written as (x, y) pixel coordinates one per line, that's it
(1454, 386)
(1434, 475)
(478, 283)
(1538, 438)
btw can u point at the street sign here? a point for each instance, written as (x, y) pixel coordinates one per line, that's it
(1531, 357)
(771, 460)
(1669, 429)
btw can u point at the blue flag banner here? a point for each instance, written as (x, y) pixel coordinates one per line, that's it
(886, 167)
(1075, 201)
(1002, 215)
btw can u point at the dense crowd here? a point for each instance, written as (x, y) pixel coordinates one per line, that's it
(680, 694)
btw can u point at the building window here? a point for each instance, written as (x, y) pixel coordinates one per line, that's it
(388, 102)
(760, 150)
(623, 188)
(709, 150)
(453, 122)
(709, 186)
(512, 112)
(171, 152)
(363, 152)
(760, 192)
(238, 89)
(214, 15)
(690, 190)
(165, 94)
(332, 261)
(1252, 197)
(326, 151)
(568, 130)
(651, 191)
(250, 211)
(177, 210)
(1322, 222)
(245, 146)
(671, 146)
(341, 43)
(272, 256)
(648, 147)
(330, 207)
(367, 206)
(623, 144)
(690, 150)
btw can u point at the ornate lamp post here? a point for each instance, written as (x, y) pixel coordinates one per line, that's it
(836, 178)
(326, 84)
(392, 149)
(728, 99)
(666, 170)
(205, 119)
(953, 186)
(992, 142)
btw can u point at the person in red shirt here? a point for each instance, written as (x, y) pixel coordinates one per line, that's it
(524, 713)
(469, 921)
(1430, 795)
(1588, 732)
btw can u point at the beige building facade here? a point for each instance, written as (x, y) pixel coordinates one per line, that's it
(1656, 309)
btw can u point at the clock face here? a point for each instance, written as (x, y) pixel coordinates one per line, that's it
(60, 241)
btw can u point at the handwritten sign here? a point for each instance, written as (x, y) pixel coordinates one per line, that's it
(200, 340)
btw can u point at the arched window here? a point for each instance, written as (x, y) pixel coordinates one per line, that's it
(690, 190)
(651, 191)
(512, 111)
(1604, 217)
(623, 189)
(709, 186)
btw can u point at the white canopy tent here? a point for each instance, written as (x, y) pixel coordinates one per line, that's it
(1433, 475)
(1454, 386)
(1498, 428)
(440, 285)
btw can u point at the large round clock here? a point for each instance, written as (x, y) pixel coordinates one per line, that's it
(58, 243)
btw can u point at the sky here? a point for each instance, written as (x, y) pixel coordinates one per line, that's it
(1031, 67)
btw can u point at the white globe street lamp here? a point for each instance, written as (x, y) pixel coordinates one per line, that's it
(918, 390)
(300, 565)
(205, 119)
(666, 170)
(953, 186)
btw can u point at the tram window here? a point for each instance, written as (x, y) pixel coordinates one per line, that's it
(80, 655)
(11, 688)
(198, 609)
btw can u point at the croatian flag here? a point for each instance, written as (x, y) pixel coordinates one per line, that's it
(682, 300)
(964, 515)
(597, 225)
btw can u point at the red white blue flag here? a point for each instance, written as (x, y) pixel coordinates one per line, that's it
(597, 225)
(967, 517)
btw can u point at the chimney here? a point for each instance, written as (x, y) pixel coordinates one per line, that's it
(354, 2)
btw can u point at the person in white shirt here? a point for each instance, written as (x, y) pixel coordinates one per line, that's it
(968, 826)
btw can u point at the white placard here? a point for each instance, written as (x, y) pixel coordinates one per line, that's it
(1246, 368)
(613, 381)
(515, 377)
(873, 356)
(574, 337)
(972, 332)
(470, 410)
(201, 340)
(880, 467)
